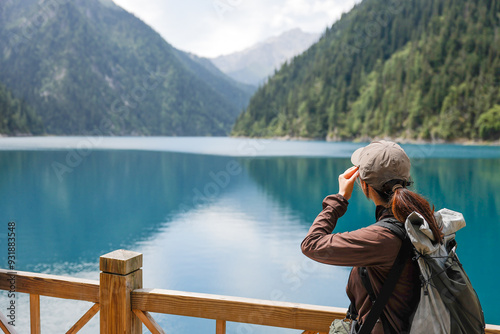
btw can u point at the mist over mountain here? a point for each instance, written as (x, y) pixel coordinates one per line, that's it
(90, 67)
(255, 64)
(413, 69)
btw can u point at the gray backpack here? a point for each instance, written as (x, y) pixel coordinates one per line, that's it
(448, 302)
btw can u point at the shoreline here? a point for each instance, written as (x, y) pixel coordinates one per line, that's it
(400, 140)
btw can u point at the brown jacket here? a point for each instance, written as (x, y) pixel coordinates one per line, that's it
(374, 247)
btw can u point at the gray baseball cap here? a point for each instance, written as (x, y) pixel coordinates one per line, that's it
(381, 161)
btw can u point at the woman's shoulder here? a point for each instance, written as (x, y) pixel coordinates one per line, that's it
(375, 234)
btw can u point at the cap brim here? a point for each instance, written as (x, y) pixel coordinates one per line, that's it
(356, 156)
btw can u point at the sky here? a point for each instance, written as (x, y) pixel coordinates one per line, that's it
(210, 28)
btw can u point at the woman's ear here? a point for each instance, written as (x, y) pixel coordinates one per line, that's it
(365, 188)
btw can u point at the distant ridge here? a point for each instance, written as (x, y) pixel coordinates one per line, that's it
(408, 70)
(89, 67)
(255, 64)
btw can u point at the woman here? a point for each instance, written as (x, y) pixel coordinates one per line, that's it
(383, 169)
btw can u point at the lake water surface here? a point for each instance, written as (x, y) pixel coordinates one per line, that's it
(217, 215)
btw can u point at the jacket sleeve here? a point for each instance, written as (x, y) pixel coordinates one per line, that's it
(369, 246)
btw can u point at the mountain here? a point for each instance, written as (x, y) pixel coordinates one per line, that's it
(90, 67)
(255, 64)
(413, 69)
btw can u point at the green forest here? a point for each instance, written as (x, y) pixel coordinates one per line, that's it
(413, 69)
(16, 116)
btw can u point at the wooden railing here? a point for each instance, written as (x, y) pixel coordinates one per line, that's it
(124, 305)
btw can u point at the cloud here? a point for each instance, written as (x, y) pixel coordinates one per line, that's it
(213, 27)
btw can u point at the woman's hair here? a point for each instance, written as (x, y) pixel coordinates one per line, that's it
(404, 201)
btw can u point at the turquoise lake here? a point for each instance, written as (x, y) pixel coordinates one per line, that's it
(217, 215)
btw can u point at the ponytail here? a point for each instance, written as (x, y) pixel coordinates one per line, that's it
(404, 202)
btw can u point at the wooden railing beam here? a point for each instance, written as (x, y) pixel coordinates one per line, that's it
(52, 285)
(492, 329)
(244, 310)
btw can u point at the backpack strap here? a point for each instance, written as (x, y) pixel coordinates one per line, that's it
(392, 277)
(365, 279)
(393, 225)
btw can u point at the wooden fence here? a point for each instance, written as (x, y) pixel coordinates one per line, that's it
(124, 305)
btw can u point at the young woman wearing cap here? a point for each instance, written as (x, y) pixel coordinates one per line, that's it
(383, 169)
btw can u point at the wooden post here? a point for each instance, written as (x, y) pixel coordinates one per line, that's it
(120, 274)
(35, 314)
(220, 327)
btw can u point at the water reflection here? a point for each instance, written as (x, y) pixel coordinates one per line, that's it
(123, 196)
(301, 184)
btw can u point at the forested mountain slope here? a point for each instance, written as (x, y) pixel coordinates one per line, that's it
(16, 117)
(90, 67)
(413, 69)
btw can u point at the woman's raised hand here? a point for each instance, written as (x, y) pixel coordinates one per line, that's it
(346, 181)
